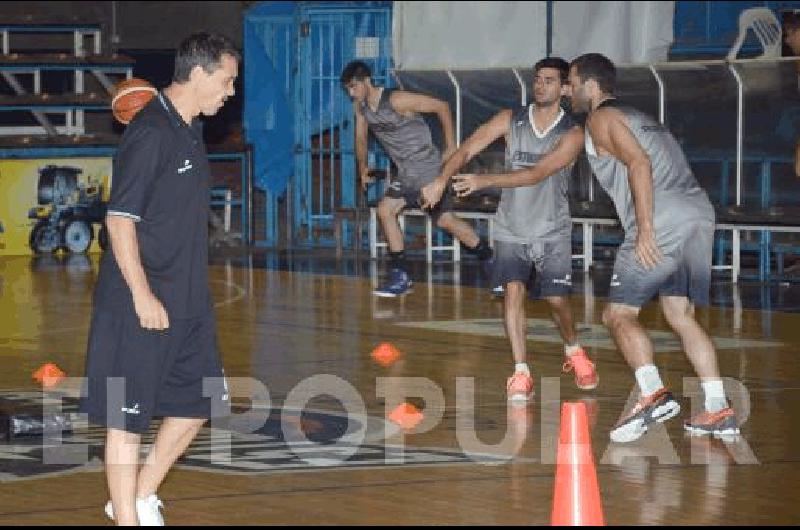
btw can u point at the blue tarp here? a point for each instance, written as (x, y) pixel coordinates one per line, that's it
(273, 73)
(268, 121)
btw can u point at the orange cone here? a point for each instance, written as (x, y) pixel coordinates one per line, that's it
(406, 416)
(385, 354)
(576, 499)
(49, 375)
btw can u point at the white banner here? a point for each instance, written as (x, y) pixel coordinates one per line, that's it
(626, 32)
(453, 35)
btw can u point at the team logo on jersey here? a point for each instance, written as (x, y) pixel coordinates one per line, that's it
(657, 128)
(382, 126)
(524, 158)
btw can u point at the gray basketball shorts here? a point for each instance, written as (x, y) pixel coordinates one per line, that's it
(545, 267)
(411, 192)
(684, 271)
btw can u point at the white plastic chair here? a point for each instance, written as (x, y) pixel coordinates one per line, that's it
(765, 25)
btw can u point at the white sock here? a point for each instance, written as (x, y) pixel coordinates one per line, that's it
(715, 395)
(649, 380)
(522, 367)
(572, 349)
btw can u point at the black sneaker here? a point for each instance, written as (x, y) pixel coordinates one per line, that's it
(399, 284)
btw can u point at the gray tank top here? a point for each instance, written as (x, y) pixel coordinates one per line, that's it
(677, 197)
(540, 211)
(407, 140)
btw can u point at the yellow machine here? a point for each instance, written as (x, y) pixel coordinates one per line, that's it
(67, 211)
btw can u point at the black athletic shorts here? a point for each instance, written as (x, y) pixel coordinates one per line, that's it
(134, 374)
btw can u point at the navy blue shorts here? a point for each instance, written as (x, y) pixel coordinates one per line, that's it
(134, 374)
(545, 267)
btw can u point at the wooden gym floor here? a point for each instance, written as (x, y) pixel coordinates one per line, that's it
(288, 326)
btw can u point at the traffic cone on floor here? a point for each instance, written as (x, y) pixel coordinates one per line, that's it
(406, 416)
(49, 375)
(576, 498)
(385, 354)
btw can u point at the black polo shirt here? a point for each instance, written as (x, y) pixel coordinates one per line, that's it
(161, 181)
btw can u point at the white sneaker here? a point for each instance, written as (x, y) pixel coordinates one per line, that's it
(147, 510)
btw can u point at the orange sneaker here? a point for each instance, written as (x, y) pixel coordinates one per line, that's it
(720, 423)
(585, 374)
(519, 387)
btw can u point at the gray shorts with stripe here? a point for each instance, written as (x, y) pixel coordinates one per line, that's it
(684, 271)
(545, 267)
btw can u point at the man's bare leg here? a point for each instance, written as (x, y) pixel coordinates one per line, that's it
(172, 440)
(122, 465)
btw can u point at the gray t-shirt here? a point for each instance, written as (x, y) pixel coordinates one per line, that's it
(406, 139)
(677, 196)
(540, 211)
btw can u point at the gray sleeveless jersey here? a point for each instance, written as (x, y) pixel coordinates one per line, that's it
(407, 140)
(677, 197)
(540, 211)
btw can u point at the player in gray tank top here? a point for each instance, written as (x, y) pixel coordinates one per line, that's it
(669, 228)
(394, 117)
(533, 227)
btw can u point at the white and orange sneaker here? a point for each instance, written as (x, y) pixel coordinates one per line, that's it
(656, 408)
(520, 387)
(585, 375)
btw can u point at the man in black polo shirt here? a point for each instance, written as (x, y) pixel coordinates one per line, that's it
(152, 346)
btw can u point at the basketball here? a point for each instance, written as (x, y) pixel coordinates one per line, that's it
(130, 96)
